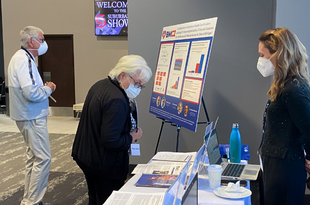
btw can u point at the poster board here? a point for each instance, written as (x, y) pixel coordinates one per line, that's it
(181, 71)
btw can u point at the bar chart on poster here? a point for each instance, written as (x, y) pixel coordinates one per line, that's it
(181, 71)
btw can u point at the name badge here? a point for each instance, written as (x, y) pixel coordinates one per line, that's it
(135, 149)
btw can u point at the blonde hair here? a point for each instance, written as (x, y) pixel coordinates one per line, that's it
(28, 32)
(131, 64)
(290, 55)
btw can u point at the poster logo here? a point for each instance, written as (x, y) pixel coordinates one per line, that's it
(164, 34)
(173, 33)
(168, 34)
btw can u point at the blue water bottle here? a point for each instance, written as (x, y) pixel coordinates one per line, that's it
(235, 144)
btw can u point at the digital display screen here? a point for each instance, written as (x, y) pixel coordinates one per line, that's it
(190, 197)
(111, 18)
(213, 149)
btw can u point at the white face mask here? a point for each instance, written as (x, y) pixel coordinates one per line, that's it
(42, 49)
(132, 91)
(265, 67)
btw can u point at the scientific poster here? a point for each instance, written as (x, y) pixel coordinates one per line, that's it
(181, 71)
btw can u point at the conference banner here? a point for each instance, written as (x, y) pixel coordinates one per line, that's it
(181, 71)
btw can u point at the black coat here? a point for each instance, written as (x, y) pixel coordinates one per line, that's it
(102, 140)
(287, 135)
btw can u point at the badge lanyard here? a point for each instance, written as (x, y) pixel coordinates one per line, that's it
(263, 133)
(135, 147)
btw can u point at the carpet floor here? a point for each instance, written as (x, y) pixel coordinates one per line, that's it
(66, 183)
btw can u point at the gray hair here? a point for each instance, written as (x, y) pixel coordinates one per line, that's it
(131, 64)
(28, 32)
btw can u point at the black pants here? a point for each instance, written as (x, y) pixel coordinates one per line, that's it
(284, 181)
(261, 187)
(99, 186)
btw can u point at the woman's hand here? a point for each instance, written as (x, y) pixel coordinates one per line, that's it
(137, 134)
(307, 165)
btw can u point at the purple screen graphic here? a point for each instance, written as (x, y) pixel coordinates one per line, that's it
(111, 18)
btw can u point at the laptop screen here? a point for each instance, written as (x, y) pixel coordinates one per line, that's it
(213, 149)
(190, 197)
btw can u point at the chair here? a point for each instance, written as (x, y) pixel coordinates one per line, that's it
(78, 109)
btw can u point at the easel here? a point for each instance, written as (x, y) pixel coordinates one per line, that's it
(179, 127)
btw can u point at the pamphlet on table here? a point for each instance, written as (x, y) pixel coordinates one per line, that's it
(159, 167)
(175, 156)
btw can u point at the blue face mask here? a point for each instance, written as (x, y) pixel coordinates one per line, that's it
(42, 49)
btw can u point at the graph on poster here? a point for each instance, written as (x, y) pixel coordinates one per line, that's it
(198, 66)
(178, 64)
(176, 84)
(196, 60)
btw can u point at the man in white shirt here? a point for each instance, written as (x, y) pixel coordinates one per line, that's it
(29, 107)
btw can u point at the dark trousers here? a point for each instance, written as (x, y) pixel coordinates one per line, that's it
(284, 181)
(261, 187)
(99, 186)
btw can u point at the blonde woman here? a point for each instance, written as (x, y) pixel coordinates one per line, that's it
(286, 129)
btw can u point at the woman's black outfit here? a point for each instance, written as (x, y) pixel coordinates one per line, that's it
(102, 139)
(286, 136)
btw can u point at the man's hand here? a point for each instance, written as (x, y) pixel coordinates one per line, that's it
(51, 85)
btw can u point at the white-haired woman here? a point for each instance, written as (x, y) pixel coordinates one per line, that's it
(108, 126)
(286, 119)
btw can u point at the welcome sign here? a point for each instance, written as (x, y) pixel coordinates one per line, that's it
(111, 18)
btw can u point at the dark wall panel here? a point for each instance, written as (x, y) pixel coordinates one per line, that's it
(234, 89)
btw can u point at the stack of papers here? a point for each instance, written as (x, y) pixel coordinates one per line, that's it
(175, 156)
(159, 167)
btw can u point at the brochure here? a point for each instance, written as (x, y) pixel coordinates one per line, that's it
(159, 167)
(175, 156)
(154, 180)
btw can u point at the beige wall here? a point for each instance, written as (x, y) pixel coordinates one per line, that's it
(93, 56)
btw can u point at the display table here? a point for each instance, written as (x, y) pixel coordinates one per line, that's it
(205, 194)
(207, 197)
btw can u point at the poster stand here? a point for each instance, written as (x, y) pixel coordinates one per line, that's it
(179, 127)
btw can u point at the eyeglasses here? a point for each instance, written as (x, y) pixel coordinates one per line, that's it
(137, 84)
(42, 39)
